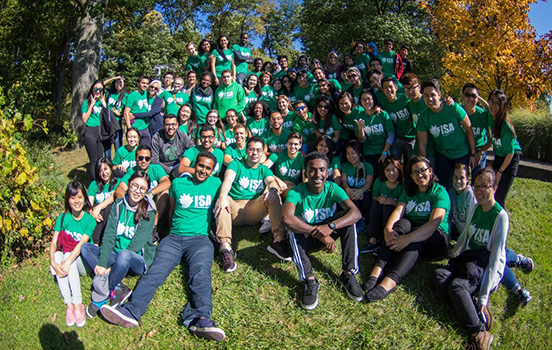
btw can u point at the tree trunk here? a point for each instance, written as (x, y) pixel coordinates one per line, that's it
(87, 58)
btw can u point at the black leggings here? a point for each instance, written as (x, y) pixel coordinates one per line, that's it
(379, 214)
(94, 147)
(400, 263)
(507, 179)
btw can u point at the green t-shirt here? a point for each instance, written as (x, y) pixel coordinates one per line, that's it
(76, 228)
(221, 63)
(481, 226)
(234, 152)
(480, 125)
(113, 104)
(362, 62)
(375, 129)
(349, 122)
(286, 168)
(257, 127)
(335, 164)
(418, 207)
(201, 105)
(416, 108)
(268, 94)
(335, 125)
(380, 189)
(353, 179)
(388, 61)
(356, 92)
(249, 182)
(95, 117)
(507, 143)
(242, 66)
(125, 157)
(197, 63)
(99, 197)
(229, 97)
(315, 208)
(155, 172)
(125, 229)
(276, 143)
(288, 120)
(252, 97)
(194, 203)
(305, 94)
(191, 154)
(307, 128)
(229, 137)
(173, 101)
(445, 130)
(138, 103)
(400, 115)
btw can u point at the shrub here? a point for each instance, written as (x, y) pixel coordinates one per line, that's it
(25, 202)
(534, 133)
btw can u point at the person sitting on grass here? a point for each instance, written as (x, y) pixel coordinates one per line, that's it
(127, 245)
(311, 216)
(191, 211)
(125, 156)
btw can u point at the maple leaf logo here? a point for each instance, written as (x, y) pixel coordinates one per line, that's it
(283, 170)
(308, 215)
(244, 183)
(273, 148)
(410, 205)
(367, 130)
(170, 100)
(350, 181)
(141, 104)
(185, 200)
(255, 132)
(435, 131)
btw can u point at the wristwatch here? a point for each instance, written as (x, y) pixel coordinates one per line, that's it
(332, 225)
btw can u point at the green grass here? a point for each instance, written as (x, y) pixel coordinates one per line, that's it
(258, 305)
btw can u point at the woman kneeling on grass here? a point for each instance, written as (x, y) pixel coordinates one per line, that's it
(126, 246)
(417, 227)
(478, 261)
(73, 228)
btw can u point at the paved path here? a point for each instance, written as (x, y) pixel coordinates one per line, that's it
(531, 169)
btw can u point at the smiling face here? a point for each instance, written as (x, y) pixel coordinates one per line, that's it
(412, 90)
(223, 42)
(207, 138)
(322, 108)
(282, 104)
(240, 134)
(76, 202)
(352, 156)
(276, 121)
(119, 84)
(191, 50)
(322, 147)
(184, 114)
(231, 117)
(143, 159)
(277, 85)
(469, 97)
(212, 118)
(205, 81)
(345, 105)
(97, 90)
(137, 190)
(206, 46)
(133, 138)
(432, 98)
(293, 145)
(254, 152)
(367, 101)
(392, 173)
(168, 80)
(227, 78)
(484, 190)
(203, 168)
(494, 105)
(287, 82)
(359, 49)
(303, 80)
(323, 86)
(317, 173)
(318, 74)
(143, 84)
(244, 39)
(390, 90)
(258, 111)
(192, 78)
(302, 111)
(170, 125)
(375, 80)
(265, 79)
(252, 81)
(105, 173)
(153, 89)
(421, 174)
(460, 179)
(283, 63)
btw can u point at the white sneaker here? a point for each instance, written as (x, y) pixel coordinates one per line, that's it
(265, 226)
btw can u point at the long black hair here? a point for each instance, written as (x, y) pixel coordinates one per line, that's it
(142, 208)
(331, 110)
(410, 186)
(112, 179)
(73, 189)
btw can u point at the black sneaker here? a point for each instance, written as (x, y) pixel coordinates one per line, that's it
(280, 250)
(353, 289)
(206, 328)
(228, 263)
(93, 307)
(524, 296)
(526, 264)
(119, 295)
(310, 296)
(119, 316)
(370, 248)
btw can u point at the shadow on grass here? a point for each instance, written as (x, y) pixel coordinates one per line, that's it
(51, 338)
(80, 174)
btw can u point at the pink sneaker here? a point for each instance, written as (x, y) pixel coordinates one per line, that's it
(80, 318)
(70, 316)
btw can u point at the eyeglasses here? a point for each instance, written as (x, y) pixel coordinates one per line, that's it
(420, 172)
(171, 125)
(323, 106)
(206, 137)
(470, 95)
(136, 188)
(153, 87)
(300, 108)
(412, 88)
(142, 158)
(351, 76)
(98, 89)
(478, 188)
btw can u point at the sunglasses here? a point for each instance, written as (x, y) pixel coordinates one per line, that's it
(98, 89)
(470, 95)
(322, 106)
(300, 108)
(142, 158)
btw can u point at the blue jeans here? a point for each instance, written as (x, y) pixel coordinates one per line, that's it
(402, 147)
(120, 263)
(444, 166)
(197, 252)
(509, 280)
(481, 165)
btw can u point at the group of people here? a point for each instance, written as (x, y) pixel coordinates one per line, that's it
(312, 154)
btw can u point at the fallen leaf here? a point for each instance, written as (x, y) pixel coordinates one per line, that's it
(152, 333)
(53, 319)
(21, 298)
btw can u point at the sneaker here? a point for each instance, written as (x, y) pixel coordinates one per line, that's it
(482, 340)
(206, 328)
(119, 316)
(93, 307)
(80, 319)
(280, 250)
(524, 296)
(119, 295)
(370, 248)
(310, 296)
(353, 289)
(70, 316)
(265, 226)
(526, 264)
(487, 318)
(228, 263)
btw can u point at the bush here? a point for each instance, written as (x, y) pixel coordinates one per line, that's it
(25, 202)
(534, 133)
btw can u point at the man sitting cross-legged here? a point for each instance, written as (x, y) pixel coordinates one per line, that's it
(311, 216)
(248, 193)
(191, 210)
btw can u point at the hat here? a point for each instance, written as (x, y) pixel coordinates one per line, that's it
(100, 285)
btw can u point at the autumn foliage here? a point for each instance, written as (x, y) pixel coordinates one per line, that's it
(492, 44)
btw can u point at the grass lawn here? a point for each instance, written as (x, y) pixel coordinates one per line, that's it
(258, 305)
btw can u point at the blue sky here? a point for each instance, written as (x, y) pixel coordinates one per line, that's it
(540, 17)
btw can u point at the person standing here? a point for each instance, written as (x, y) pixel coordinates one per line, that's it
(242, 57)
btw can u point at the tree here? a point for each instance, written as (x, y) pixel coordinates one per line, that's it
(492, 44)
(281, 28)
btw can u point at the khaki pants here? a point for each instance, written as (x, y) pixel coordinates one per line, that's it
(250, 212)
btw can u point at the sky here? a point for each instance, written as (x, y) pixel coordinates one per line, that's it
(540, 17)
